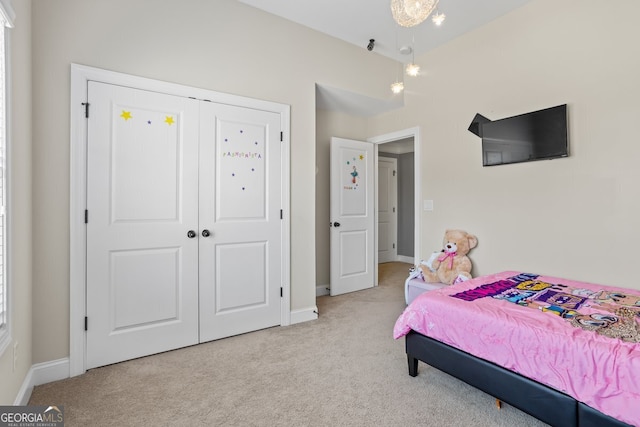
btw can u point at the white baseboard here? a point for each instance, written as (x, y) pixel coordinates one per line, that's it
(304, 315)
(42, 373)
(322, 290)
(407, 259)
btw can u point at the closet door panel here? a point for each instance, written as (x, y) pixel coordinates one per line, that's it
(142, 199)
(240, 202)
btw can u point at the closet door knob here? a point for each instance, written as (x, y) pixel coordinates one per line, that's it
(191, 234)
(206, 233)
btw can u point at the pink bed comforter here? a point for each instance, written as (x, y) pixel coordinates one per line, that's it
(555, 331)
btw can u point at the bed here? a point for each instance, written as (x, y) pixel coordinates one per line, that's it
(566, 352)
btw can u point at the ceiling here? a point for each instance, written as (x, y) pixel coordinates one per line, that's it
(357, 21)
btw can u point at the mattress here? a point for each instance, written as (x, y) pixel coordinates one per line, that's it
(576, 337)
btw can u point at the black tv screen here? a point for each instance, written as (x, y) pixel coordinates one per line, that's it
(532, 136)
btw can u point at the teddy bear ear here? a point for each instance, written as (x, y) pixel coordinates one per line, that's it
(473, 241)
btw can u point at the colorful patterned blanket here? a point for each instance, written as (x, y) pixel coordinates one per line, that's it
(580, 338)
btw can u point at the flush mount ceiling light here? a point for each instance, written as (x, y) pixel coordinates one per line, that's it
(405, 50)
(409, 13)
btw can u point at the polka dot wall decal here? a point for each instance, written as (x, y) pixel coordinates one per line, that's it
(149, 122)
(242, 188)
(241, 131)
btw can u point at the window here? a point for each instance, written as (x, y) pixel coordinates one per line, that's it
(6, 15)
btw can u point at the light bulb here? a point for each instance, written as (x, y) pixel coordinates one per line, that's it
(438, 18)
(412, 69)
(397, 87)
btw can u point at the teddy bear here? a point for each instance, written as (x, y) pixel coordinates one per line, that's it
(452, 264)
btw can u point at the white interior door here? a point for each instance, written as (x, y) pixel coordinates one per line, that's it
(352, 216)
(387, 209)
(142, 198)
(240, 216)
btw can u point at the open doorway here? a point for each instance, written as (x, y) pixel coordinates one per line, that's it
(396, 201)
(344, 114)
(362, 237)
(323, 195)
(404, 146)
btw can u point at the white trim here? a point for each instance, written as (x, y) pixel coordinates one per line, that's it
(285, 115)
(304, 315)
(394, 136)
(41, 373)
(6, 331)
(394, 222)
(376, 204)
(7, 10)
(24, 394)
(322, 290)
(80, 77)
(5, 336)
(77, 232)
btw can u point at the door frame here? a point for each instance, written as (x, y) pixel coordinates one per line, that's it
(394, 222)
(80, 76)
(414, 133)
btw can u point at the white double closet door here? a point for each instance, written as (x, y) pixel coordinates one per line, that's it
(184, 222)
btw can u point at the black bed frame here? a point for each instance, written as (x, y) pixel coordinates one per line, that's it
(542, 402)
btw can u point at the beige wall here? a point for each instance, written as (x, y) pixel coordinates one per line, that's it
(329, 124)
(221, 45)
(20, 212)
(575, 217)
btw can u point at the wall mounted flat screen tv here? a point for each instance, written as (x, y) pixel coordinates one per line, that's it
(532, 136)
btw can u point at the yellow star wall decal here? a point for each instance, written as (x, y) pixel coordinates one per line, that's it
(126, 115)
(169, 120)
(361, 156)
